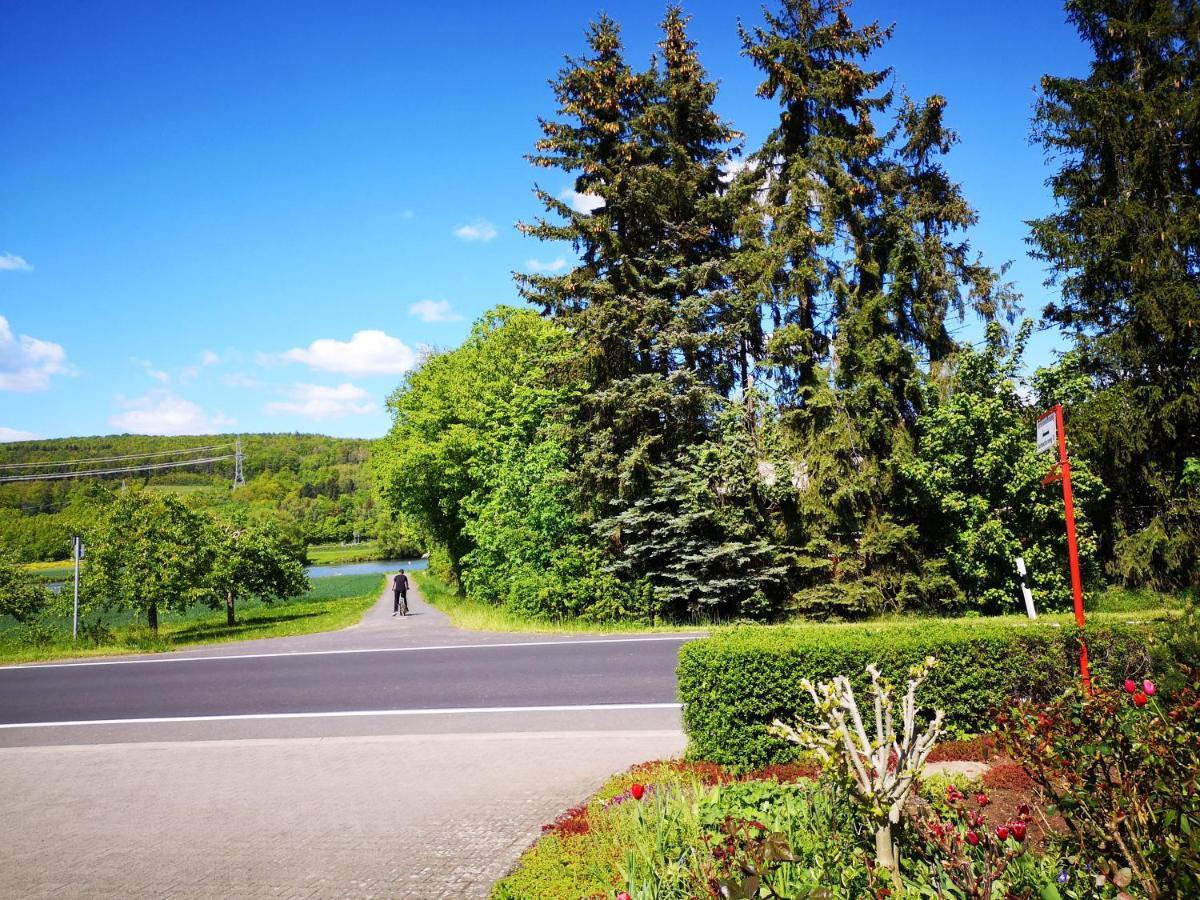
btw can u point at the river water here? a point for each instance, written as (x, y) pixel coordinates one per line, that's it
(367, 568)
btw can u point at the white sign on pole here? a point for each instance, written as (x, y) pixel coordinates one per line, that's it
(1047, 432)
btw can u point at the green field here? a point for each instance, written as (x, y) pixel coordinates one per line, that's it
(334, 554)
(333, 603)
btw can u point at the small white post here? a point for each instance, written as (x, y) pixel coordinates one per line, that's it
(76, 552)
(1025, 589)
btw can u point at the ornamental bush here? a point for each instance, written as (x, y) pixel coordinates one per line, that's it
(735, 683)
(1121, 766)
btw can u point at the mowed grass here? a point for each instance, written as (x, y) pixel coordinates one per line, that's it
(332, 603)
(59, 570)
(1109, 606)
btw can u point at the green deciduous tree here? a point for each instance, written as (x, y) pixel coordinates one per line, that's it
(20, 595)
(147, 552)
(976, 482)
(1124, 245)
(252, 561)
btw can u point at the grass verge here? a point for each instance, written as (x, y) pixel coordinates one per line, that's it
(474, 615)
(1111, 607)
(332, 603)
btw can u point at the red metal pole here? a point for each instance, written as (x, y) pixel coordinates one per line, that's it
(1072, 543)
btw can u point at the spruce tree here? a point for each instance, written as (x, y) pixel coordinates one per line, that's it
(645, 300)
(863, 238)
(1124, 246)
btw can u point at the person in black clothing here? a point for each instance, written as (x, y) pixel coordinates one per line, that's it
(400, 594)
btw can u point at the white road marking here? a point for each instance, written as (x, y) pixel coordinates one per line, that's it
(341, 714)
(181, 659)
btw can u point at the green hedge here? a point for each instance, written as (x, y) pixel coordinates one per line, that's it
(735, 683)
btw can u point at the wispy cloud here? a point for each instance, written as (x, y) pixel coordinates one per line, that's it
(148, 367)
(319, 401)
(209, 358)
(581, 203)
(434, 311)
(545, 268)
(9, 435)
(238, 380)
(10, 262)
(161, 411)
(366, 353)
(479, 230)
(26, 363)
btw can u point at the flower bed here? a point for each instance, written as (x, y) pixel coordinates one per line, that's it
(1087, 795)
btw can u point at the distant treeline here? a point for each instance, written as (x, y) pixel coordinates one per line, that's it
(315, 488)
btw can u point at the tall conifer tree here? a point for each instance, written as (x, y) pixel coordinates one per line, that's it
(646, 299)
(1124, 245)
(866, 266)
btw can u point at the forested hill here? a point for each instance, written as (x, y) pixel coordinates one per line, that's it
(317, 487)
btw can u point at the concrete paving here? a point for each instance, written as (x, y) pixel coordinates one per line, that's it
(412, 759)
(429, 816)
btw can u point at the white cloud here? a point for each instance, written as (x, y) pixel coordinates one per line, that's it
(157, 374)
(209, 358)
(581, 203)
(8, 435)
(434, 311)
(366, 353)
(10, 262)
(161, 411)
(546, 268)
(189, 373)
(27, 363)
(479, 230)
(319, 401)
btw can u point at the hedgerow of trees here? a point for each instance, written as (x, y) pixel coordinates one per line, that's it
(747, 397)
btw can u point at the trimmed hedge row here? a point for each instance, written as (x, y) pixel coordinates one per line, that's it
(735, 683)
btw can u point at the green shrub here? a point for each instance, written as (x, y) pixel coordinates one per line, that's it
(735, 683)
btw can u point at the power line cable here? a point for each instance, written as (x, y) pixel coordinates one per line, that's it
(84, 473)
(99, 459)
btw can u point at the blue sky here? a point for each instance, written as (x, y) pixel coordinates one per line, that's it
(250, 216)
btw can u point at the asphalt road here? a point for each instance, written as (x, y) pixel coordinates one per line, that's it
(621, 671)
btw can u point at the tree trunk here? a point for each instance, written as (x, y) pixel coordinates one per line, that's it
(887, 853)
(153, 617)
(229, 607)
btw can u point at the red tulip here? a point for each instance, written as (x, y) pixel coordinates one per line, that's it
(638, 791)
(1130, 686)
(1139, 699)
(1002, 832)
(1018, 830)
(624, 895)
(972, 838)
(982, 799)
(1149, 688)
